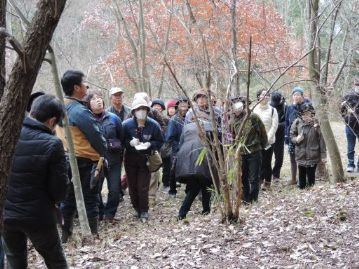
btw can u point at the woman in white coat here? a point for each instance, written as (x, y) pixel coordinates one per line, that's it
(269, 117)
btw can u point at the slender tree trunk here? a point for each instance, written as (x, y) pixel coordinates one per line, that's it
(81, 210)
(21, 81)
(320, 93)
(2, 47)
(234, 46)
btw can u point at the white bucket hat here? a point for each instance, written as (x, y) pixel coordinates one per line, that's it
(139, 102)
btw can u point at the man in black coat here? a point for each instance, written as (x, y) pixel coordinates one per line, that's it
(38, 180)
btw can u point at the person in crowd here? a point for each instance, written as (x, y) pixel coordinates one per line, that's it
(309, 144)
(201, 108)
(171, 107)
(117, 106)
(161, 120)
(159, 105)
(350, 114)
(143, 131)
(290, 116)
(89, 145)
(111, 128)
(173, 136)
(278, 102)
(38, 180)
(269, 117)
(196, 176)
(253, 141)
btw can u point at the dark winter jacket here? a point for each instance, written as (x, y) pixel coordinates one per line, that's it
(88, 141)
(38, 176)
(254, 136)
(124, 114)
(311, 150)
(150, 133)
(350, 111)
(190, 148)
(111, 128)
(174, 132)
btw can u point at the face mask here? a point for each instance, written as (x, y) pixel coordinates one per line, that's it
(237, 107)
(141, 114)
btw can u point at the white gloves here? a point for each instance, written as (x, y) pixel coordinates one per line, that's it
(147, 144)
(299, 138)
(134, 142)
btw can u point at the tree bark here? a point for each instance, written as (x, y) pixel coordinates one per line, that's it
(21, 81)
(320, 93)
(2, 47)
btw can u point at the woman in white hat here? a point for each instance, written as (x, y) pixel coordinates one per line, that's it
(144, 131)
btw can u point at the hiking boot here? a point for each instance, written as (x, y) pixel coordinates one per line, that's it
(144, 217)
(350, 169)
(266, 186)
(172, 195)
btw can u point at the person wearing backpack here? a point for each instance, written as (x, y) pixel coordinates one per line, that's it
(269, 117)
(278, 102)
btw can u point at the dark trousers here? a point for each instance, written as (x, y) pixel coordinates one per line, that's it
(278, 150)
(194, 186)
(351, 141)
(46, 241)
(166, 171)
(306, 173)
(138, 180)
(251, 166)
(90, 196)
(113, 177)
(173, 189)
(266, 170)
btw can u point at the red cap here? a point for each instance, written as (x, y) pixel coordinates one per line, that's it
(171, 103)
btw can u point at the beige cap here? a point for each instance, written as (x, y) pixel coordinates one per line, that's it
(139, 102)
(115, 90)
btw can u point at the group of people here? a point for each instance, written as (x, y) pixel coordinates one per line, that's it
(108, 139)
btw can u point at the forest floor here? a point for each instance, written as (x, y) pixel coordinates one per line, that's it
(287, 228)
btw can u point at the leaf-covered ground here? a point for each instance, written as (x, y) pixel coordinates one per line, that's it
(287, 228)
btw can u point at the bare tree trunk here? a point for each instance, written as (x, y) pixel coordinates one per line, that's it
(81, 210)
(142, 38)
(234, 46)
(320, 93)
(21, 81)
(2, 47)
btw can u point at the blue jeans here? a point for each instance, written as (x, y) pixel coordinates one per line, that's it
(113, 176)
(351, 140)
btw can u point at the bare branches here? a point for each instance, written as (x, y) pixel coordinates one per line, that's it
(15, 44)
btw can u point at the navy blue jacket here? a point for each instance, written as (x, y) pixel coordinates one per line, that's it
(150, 133)
(111, 128)
(38, 176)
(174, 131)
